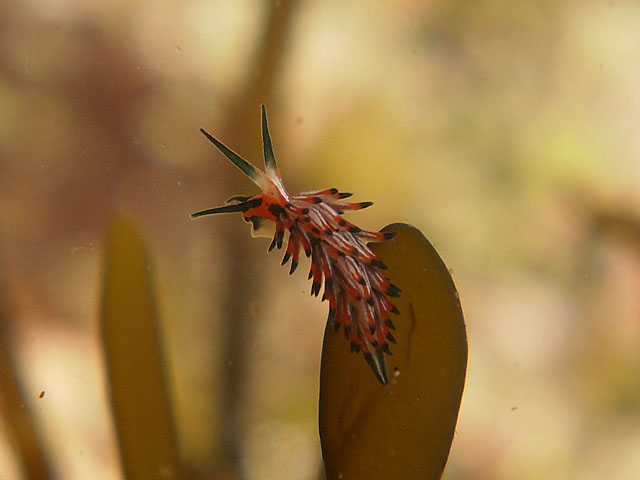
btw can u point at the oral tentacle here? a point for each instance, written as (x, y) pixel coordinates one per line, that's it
(232, 208)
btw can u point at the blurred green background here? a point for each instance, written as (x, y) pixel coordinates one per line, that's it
(506, 131)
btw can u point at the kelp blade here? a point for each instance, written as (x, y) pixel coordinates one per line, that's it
(404, 430)
(134, 361)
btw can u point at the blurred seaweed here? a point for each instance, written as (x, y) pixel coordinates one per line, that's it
(16, 412)
(135, 363)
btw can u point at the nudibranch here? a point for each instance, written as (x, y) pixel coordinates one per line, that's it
(357, 292)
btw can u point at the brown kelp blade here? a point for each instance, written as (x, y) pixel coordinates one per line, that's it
(403, 430)
(136, 376)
